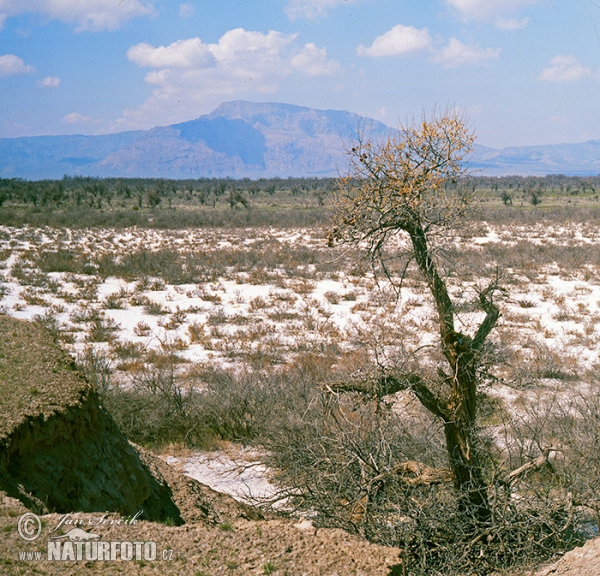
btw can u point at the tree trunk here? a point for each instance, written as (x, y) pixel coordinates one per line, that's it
(460, 411)
(467, 471)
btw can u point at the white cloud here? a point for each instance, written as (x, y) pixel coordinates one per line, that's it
(310, 9)
(49, 82)
(312, 61)
(565, 68)
(190, 53)
(11, 65)
(253, 48)
(406, 40)
(190, 75)
(501, 12)
(186, 10)
(508, 24)
(77, 118)
(399, 41)
(456, 53)
(86, 15)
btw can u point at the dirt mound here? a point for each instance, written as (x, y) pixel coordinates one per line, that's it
(59, 449)
(236, 547)
(583, 561)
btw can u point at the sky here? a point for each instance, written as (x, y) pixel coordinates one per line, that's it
(524, 72)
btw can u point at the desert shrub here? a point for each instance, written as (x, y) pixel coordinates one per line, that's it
(96, 367)
(102, 330)
(161, 402)
(153, 408)
(155, 308)
(63, 260)
(569, 424)
(249, 406)
(114, 301)
(165, 264)
(27, 276)
(362, 466)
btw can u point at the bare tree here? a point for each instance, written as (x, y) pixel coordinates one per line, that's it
(404, 185)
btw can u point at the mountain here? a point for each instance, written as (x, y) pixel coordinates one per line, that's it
(239, 139)
(246, 139)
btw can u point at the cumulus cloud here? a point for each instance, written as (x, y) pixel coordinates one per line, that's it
(501, 12)
(310, 9)
(49, 82)
(190, 53)
(186, 10)
(399, 41)
(88, 15)
(189, 74)
(564, 68)
(312, 61)
(77, 118)
(456, 53)
(11, 65)
(406, 40)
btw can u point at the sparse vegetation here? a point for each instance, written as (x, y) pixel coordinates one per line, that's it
(260, 322)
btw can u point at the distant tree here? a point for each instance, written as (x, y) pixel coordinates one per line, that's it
(96, 191)
(140, 192)
(236, 197)
(535, 196)
(506, 198)
(6, 188)
(220, 188)
(153, 198)
(123, 190)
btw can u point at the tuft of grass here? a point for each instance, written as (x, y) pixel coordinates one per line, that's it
(102, 330)
(155, 308)
(142, 329)
(114, 301)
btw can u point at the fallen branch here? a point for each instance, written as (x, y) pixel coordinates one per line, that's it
(419, 474)
(529, 467)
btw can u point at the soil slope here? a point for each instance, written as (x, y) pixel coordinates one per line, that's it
(62, 457)
(59, 449)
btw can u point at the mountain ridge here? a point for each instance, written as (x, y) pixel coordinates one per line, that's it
(241, 139)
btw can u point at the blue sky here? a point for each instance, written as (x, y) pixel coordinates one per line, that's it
(526, 72)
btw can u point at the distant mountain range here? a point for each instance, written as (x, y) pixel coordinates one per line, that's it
(245, 139)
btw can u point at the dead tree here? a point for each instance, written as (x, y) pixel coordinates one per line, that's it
(404, 185)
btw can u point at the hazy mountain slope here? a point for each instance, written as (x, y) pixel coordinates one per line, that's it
(581, 159)
(246, 139)
(40, 157)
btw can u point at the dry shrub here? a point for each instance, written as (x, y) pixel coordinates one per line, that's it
(351, 464)
(64, 260)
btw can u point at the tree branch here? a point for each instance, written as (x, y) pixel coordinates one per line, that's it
(492, 314)
(391, 384)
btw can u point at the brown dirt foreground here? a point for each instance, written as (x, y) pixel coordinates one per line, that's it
(583, 561)
(236, 547)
